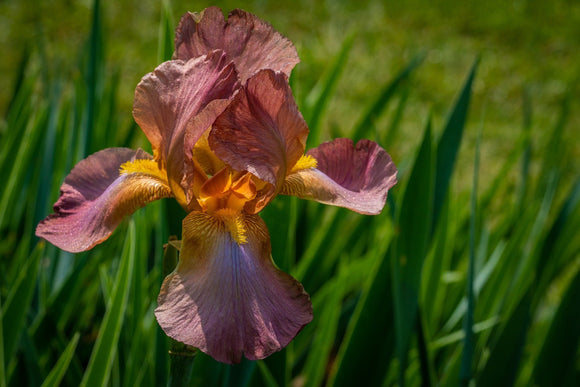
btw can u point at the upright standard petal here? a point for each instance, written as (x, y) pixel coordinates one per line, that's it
(251, 43)
(227, 298)
(261, 131)
(182, 97)
(355, 177)
(98, 194)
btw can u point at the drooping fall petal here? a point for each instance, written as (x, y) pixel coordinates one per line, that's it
(95, 197)
(261, 131)
(228, 299)
(251, 43)
(182, 97)
(355, 177)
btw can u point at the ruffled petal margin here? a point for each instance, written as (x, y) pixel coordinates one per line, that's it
(176, 104)
(95, 197)
(261, 131)
(251, 43)
(355, 177)
(228, 299)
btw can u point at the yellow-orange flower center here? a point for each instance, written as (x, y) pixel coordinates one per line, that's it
(227, 189)
(224, 196)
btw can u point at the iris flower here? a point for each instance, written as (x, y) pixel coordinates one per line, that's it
(227, 137)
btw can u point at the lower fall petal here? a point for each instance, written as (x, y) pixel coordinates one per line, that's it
(228, 299)
(355, 177)
(96, 196)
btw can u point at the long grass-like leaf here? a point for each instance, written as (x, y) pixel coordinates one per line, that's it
(14, 184)
(434, 266)
(426, 363)
(2, 364)
(326, 327)
(55, 376)
(459, 335)
(17, 114)
(320, 95)
(527, 265)
(369, 341)
(388, 137)
(20, 78)
(558, 357)
(92, 79)
(411, 246)
(267, 376)
(105, 349)
(468, 345)
(165, 40)
(479, 282)
(239, 375)
(18, 302)
(548, 262)
(501, 177)
(283, 233)
(367, 121)
(555, 153)
(504, 359)
(523, 184)
(48, 156)
(449, 142)
(317, 242)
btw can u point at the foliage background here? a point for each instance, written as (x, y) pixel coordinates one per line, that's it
(388, 291)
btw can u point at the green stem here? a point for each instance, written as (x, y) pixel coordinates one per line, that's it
(181, 359)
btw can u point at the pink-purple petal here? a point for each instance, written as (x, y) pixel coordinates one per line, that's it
(95, 198)
(181, 99)
(251, 43)
(229, 299)
(262, 130)
(355, 177)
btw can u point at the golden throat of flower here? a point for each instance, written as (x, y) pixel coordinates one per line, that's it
(224, 196)
(304, 162)
(227, 189)
(233, 221)
(144, 166)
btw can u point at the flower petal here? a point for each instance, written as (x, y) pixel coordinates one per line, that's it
(182, 97)
(357, 178)
(95, 197)
(229, 299)
(251, 43)
(261, 131)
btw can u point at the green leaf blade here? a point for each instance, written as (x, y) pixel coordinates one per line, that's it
(412, 243)
(558, 356)
(105, 349)
(448, 144)
(55, 376)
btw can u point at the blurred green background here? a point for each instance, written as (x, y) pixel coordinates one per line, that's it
(464, 278)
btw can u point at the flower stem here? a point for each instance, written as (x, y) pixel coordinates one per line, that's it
(181, 359)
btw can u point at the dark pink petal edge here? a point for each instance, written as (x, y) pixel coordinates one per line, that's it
(228, 299)
(355, 177)
(261, 131)
(94, 198)
(251, 43)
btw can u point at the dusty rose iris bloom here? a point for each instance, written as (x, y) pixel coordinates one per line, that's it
(227, 138)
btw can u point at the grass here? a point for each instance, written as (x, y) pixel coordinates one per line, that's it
(470, 274)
